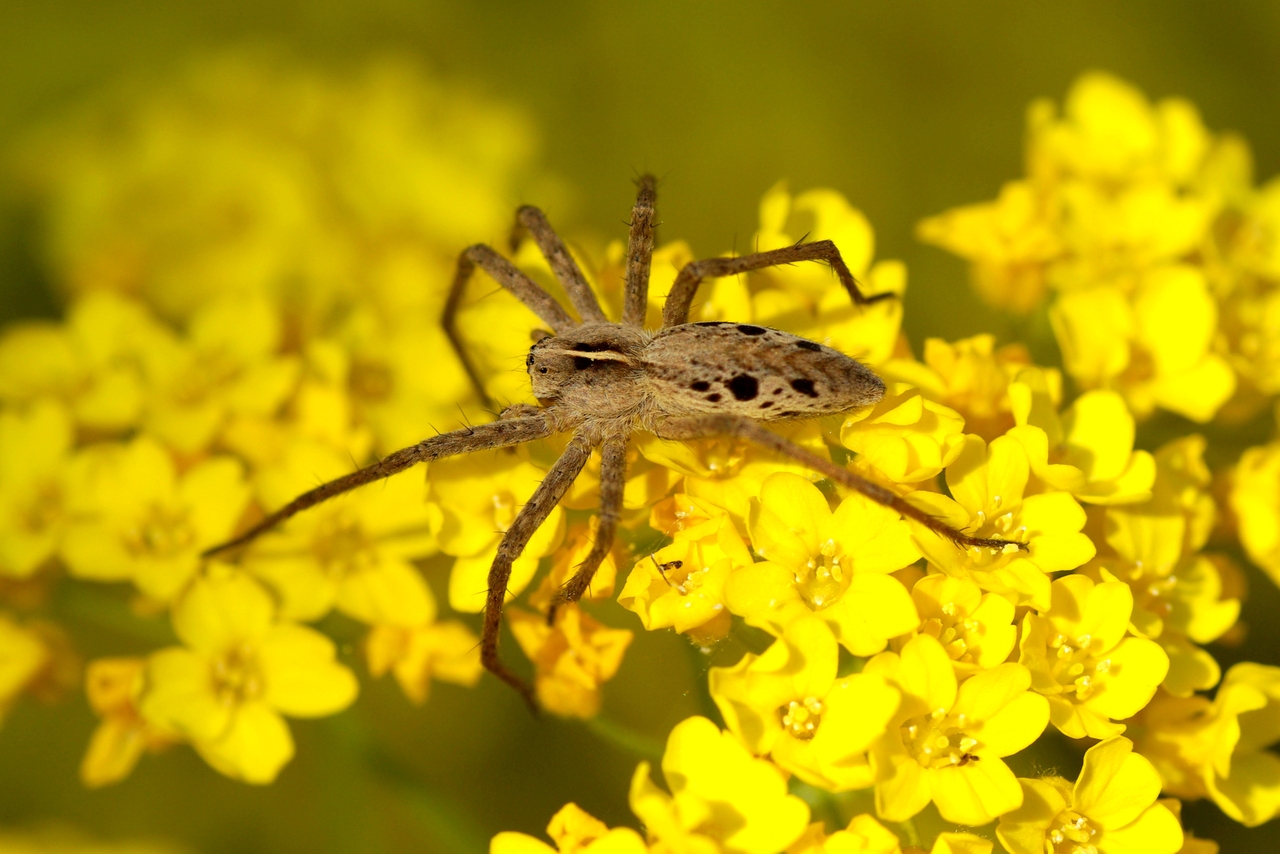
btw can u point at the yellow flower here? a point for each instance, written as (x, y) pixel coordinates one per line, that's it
(226, 367)
(788, 704)
(135, 519)
(353, 552)
(1255, 499)
(34, 451)
(947, 743)
(446, 651)
(478, 497)
(834, 565)
(972, 377)
(988, 486)
(1082, 661)
(864, 835)
(239, 671)
(112, 686)
(574, 831)
(571, 659)
(1088, 451)
(905, 437)
(1111, 809)
(91, 363)
(565, 562)
(1009, 244)
(729, 472)
(975, 628)
(23, 656)
(682, 586)
(1153, 346)
(722, 798)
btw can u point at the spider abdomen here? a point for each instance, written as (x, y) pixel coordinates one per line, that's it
(760, 373)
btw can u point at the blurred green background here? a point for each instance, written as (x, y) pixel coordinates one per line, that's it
(906, 108)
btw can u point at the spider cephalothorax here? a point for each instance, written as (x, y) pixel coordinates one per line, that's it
(604, 380)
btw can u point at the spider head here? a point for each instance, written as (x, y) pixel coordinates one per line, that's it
(585, 367)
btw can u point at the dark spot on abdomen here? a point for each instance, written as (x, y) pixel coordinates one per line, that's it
(746, 329)
(805, 387)
(766, 404)
(714, 398)
(712, 323)
(809, 345)
(744, 387)
(700, 385)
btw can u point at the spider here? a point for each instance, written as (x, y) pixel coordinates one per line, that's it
(602, 381)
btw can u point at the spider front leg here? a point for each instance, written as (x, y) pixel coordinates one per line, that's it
(530, 219)
(675, 310)
(534, 513)
(640, 253)
(510, 277)
(525, 427)
(702, 426)
(613, 477)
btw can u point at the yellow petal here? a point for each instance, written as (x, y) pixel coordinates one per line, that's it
(254, 749)
(302, 677)
(222, 610)
(977, 792)
(1115, 785)
(1156, 831)
(390, 591)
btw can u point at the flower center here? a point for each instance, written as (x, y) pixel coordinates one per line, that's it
(237, 678)
(371, 382)
(1075, 668)
(1072, 834)
(340, 544)
(822, 580)
(951, 633)
(998, 521)
(164, 532)
(724, 458)
(44, 510)
(800, 718)
(939, 740)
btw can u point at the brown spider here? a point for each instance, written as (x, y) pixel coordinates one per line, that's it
(603, 381)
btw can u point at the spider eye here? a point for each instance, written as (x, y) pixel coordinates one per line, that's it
(529, 361)
(542, 370)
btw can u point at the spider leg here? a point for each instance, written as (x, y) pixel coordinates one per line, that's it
(676, 309)
(744, 428)
(498, 434)
(533, 514)
(562, 264)
(613, 476)
(639, 254)
(509, 276)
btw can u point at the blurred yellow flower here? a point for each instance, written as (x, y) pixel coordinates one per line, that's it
(239, 671)
(906, 437)
(722, 798)
(571, 659)
(574, 831)
(448, 651)
(23, 655)
(113, 686)
(1255, 500)
(947, 743)
(353, 553)
(1081, 659)
(788, 704)
(35, 448)
(135, 518)
(1111, 809)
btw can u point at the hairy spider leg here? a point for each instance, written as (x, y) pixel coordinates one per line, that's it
(530, 219)
(613, 479)
(510, 277)
(534, 513)
(498, 434)
(675, 310)
(639, 254)
(734, 426)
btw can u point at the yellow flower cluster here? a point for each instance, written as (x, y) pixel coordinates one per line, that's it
(235, 334)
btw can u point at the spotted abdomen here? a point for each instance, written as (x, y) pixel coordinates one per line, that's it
(752, 371)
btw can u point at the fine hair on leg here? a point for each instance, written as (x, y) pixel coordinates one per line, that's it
(534, 513)
(676, 309)
(702, 426)
(498, 434)
(613, 480)
(510, 277)
(640, 254)
(566, 270)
